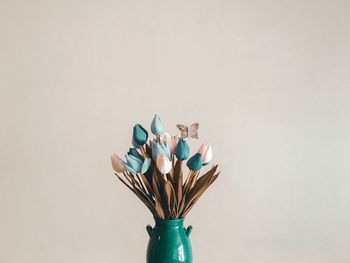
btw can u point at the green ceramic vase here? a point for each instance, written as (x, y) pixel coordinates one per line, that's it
(169, 242)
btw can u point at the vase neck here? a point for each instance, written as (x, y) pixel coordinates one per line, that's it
(169, 222)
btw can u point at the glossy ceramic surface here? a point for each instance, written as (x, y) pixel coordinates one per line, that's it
(169, 242)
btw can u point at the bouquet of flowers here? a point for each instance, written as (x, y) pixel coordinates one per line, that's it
(154, 170)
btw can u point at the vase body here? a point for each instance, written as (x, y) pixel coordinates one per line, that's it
(169, 242)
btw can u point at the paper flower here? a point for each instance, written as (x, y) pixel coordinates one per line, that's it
(158, 148)
(133, 164)
(165, 148)
(146, 164)
(136, 165)
(117, 163)
(134, 152)
(182, 151)
(139, 136)
(195, 162)
(171, 141)
(163, 164)
(157, 126)
(166, 137)
(207, 153)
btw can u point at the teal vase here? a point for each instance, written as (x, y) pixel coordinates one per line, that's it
(169, 242)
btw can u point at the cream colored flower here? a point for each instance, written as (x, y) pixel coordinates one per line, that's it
(166, 137)
(206, 153)
(117, 163)
(171, 141)
(163, 163)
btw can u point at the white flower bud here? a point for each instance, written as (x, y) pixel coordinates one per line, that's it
(206, 152)
(163, 163)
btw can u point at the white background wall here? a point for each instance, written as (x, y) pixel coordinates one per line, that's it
(267, 80)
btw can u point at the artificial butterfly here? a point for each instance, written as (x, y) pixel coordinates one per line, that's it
(188, 132)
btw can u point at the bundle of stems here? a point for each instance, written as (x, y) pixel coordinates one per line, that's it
(171, 195)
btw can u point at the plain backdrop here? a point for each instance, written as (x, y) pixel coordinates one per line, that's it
(268, 81)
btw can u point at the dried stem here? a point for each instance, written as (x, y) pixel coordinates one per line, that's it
(143, 151)
(168, 196)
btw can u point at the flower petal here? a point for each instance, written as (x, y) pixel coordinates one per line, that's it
(157, 126)
(195, 162)
(182, 150)
(134, 163)
(129, 168)
(117, 163)
(206, 151)
(140, 135)
(146, 164)
(164, 165)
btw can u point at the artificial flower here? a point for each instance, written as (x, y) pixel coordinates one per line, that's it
(171, 141)
(166, 137)
(157, 149)
(140, 135)
(163, 163)
(133, 164)
(146, 164)
(117, 163)
(157, 126)
(207, 153)
(182, 151)
(195, 162)
(165, 148)
(134, 152)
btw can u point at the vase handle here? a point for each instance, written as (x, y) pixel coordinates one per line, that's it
(149, 230)
(188, 230)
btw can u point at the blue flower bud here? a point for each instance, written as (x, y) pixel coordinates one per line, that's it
(195, 162)
(133, 164)
(146, 164)
(166, 148)
(157, 126)
(140, 135)
(157, 149)
(134, 152)
(182, 151)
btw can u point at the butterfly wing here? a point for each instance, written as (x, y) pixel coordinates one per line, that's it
(194, 130)
(183, 129)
